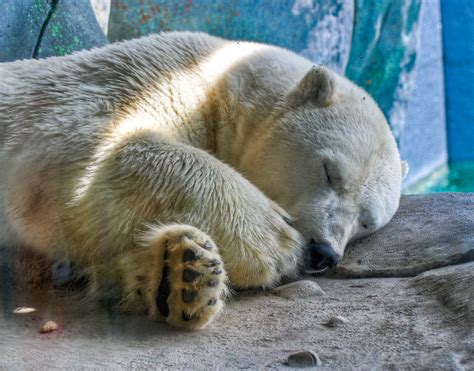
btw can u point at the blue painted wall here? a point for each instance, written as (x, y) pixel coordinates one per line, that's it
(43, 28)
(20, 26)
(458, 35)
(384, 52)
(319, 30)
(423, 138)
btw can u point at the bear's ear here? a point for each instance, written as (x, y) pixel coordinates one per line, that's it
(317, 87)
(405, 169)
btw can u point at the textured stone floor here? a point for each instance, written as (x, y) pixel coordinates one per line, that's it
(412, 309)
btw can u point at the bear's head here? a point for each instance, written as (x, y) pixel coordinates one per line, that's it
(330, 159)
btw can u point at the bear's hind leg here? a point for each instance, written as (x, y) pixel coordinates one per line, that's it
(177, 275)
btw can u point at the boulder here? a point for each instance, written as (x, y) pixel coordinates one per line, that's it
(428, 232)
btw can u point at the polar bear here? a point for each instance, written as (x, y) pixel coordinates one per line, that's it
(171, 167)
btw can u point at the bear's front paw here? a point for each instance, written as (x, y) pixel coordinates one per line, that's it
(265, 247)
(193, 280)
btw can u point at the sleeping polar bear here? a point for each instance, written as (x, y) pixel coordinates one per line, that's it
(170, 166)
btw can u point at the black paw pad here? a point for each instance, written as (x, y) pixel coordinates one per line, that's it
(189, 275)
(164, 290)
(212, 283)
(189, 256)
(188, 296)
(207, 245)
(212, 302)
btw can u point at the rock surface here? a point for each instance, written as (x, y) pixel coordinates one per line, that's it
(298, 290)
(421, 321)
(453, 288)
(428, 231)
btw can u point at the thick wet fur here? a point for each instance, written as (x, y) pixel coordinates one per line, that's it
(169, 167)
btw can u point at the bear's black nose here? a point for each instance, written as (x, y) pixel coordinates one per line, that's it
(322, 256)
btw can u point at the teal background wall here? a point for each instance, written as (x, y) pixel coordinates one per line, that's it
(422, 140)
(458, 34)
(319, 30)
(43, 28)
(384, 52)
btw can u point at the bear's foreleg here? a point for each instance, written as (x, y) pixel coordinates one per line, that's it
(146, 180)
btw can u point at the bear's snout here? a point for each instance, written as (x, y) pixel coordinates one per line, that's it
(322, 256)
